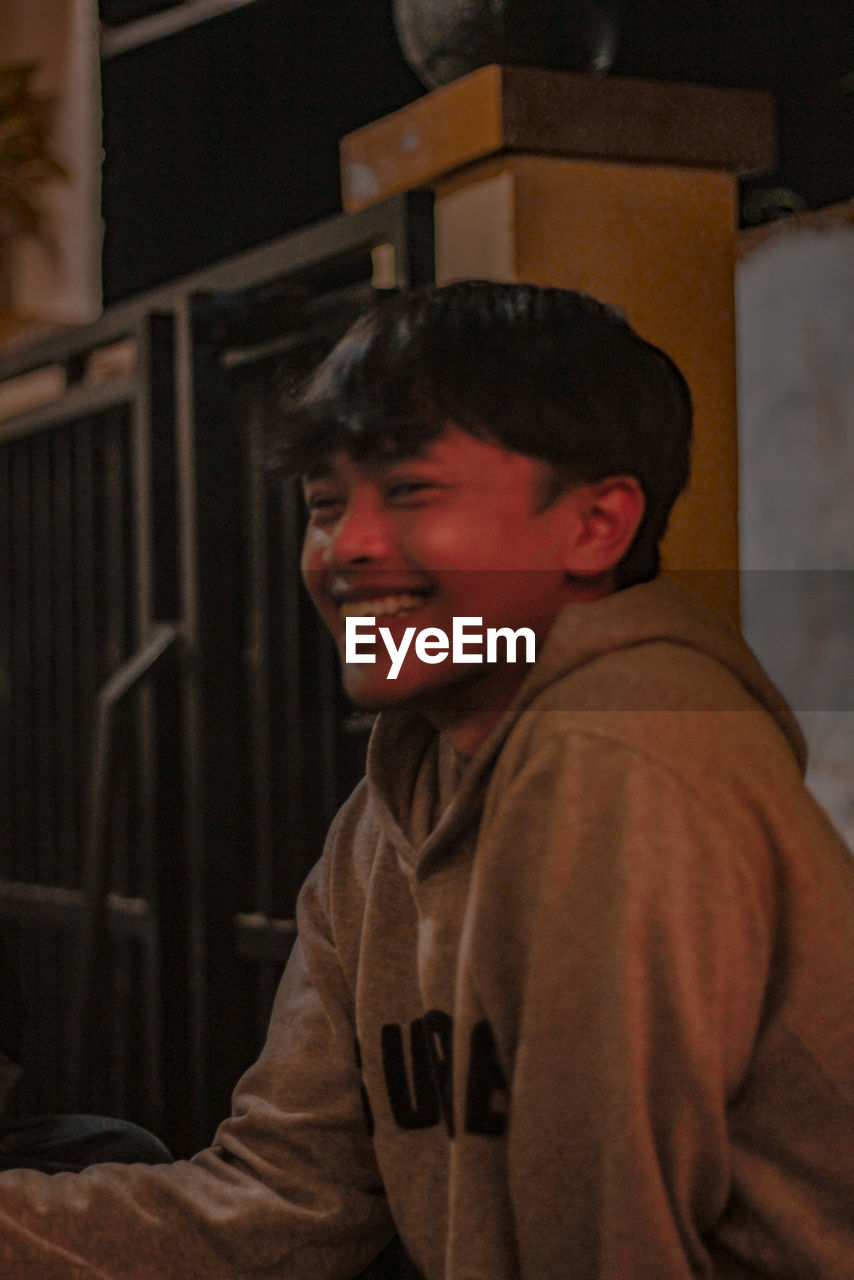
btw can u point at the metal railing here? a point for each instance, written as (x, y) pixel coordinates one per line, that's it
(173, 741)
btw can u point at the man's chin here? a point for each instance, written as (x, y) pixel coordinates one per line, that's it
(372, 694)
(378, 692)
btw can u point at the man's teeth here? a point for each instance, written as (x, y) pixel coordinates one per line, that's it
(382, 607)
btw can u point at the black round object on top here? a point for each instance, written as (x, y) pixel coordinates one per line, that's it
(445, 39)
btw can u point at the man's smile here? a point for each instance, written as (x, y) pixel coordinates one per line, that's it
(382, 606)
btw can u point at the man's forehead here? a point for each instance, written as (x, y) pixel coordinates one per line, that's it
(385, 453)
(321, 469)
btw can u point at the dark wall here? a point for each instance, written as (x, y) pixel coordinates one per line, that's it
(226, 134)
(800, 50)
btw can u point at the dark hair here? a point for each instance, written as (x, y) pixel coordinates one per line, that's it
(549, 373)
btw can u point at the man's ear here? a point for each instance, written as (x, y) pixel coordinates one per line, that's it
(607, 515)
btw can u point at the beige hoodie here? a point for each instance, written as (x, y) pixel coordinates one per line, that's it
(601, 987)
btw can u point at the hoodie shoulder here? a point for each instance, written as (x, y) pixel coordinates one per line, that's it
(655, 648)
(353, 837)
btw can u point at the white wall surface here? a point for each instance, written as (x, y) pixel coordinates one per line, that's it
(795, 316)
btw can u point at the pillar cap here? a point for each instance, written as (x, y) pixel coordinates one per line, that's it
(529, 109)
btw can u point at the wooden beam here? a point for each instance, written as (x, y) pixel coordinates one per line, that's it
(530, 110)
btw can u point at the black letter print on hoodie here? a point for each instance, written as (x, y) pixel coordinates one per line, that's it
(485, 1079)
(419, 1108)
(439, 1030)
(419, 1104)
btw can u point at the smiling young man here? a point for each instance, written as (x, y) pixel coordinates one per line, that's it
(572, 990)
(462, 529)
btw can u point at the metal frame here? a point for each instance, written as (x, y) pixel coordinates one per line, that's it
(205, 538)
(165, 22)
(88, 454)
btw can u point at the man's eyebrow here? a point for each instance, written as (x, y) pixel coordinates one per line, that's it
(395, 454)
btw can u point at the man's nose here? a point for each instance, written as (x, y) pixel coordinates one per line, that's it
(362, 534)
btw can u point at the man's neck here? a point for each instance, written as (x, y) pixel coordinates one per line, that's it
(469, 715)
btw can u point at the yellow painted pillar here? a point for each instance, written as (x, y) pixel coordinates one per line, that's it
(624, 189)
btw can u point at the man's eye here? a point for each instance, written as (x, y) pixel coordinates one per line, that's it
(403, 489)
(323, 506)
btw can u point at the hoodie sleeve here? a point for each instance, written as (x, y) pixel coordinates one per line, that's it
(289, 1188)
(626, 1002)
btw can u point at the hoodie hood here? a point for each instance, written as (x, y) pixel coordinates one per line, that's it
(661, 612)
(619, 653)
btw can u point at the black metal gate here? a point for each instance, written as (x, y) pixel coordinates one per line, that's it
(172, 737)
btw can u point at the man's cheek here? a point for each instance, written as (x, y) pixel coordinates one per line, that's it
(313, 583)
(367, 685)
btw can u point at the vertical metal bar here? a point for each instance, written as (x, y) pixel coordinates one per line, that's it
(6, 798)
(87, 663)
(113, 538)
(293, 762)
(22, 659)
(116, 521)
(151, 407)
(164, 879)
(95, 882)
(258, 648)
(42, 691)
(84, 596)
(263, 612)
(42, 716)
(188, 552)
(8, 851)
(142, 748)
(63, 646)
